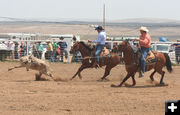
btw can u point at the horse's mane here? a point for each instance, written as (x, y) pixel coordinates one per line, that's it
(86, 46)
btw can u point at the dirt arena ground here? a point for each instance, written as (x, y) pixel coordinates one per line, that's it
(20, 94)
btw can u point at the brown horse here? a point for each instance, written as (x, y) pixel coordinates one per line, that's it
(87, 59)
(131, 67)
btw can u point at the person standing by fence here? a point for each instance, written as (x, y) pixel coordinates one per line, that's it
(55, 46)
(50, 51)
(40, 49)
(63, 45)
(10, 48)
(34, 49)
(22, 47)
(16, 50)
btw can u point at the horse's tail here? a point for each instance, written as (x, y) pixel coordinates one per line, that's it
(168, 63)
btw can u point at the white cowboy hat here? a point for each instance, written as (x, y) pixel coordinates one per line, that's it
(142, 28)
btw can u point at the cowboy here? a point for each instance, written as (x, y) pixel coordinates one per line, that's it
(100, 41)
(63, 45)
(145, 43)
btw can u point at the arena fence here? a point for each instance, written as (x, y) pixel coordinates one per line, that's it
(21, 48)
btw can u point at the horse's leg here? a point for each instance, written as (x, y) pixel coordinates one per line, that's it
(161, 81)
(162, 75)
(107, 71)
(126, 78)
(133, 79)
(152, 74)
(80, 70)
(15, 67)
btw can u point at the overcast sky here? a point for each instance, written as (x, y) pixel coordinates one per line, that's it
(90, 9)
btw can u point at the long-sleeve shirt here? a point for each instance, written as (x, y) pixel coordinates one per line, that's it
(101, 39)
(62, 45)
(145, 41)
(40, 48)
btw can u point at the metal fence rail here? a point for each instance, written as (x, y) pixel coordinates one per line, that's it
(26, 47)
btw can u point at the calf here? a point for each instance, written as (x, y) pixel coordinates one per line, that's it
(31, 62)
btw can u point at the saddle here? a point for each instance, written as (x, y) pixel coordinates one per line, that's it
(150, 59)
(104, 52)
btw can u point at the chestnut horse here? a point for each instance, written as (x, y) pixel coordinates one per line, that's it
(131, 67)
(87, 60)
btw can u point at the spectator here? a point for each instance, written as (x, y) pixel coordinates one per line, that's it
(177, 53)
(63, 45)
(10, 48)
(40, 49)
(55, 46)
(3, 52)
(50, 51)
(16, 50)
(26, 48)
(35, 51)
(22, 49)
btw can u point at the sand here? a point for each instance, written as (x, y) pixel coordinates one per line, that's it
(22, 95)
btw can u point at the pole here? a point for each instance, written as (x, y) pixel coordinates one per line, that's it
(104, 12)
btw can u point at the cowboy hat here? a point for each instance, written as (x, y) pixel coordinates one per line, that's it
(142, 28)
(99, 28)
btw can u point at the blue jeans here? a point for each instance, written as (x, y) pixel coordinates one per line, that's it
(63, 52)
(144, 52)
(99, 48)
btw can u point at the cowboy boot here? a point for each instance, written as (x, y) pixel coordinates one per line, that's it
(141, 74)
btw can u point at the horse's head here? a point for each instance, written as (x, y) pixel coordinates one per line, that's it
(75, 47)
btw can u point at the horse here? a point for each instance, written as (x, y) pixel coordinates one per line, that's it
(132, 67)
(87, 60)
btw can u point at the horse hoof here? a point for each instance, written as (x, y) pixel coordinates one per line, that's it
(162, 84)
(71, 79)
(100, 80)
(105, 79)
(128, 85)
